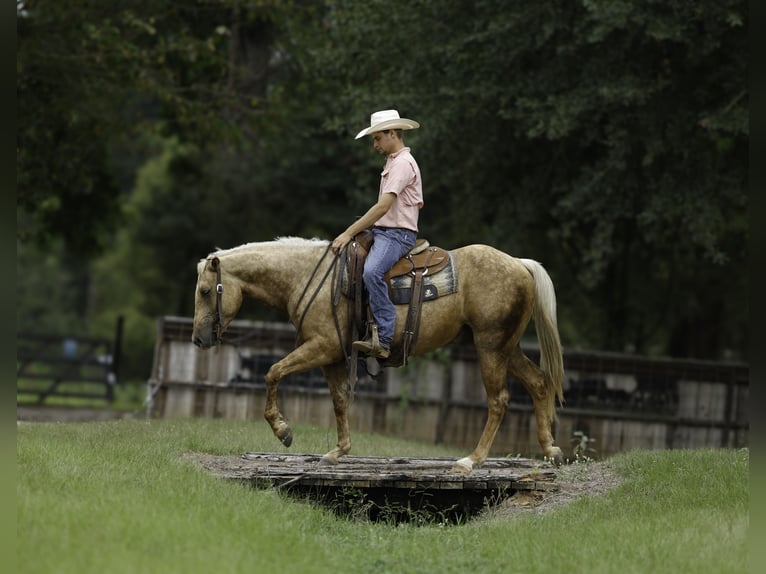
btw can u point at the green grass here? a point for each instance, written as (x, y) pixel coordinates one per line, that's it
(127, 396)
(119, 497)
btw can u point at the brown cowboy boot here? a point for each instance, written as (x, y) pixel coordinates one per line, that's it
(371, 345)
(368, 348)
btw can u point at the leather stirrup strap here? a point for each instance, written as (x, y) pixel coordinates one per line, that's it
(413, 316)
(354, 256)
(355, 318)
(357, 256)
(412, 325)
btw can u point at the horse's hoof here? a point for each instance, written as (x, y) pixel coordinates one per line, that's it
(555, 456)
(286, 436)
(328, 461)
(464, 466)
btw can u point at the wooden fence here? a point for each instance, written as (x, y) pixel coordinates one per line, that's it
(618, 401)
(67, 366)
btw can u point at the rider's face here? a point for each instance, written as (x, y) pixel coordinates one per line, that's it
(384, 142)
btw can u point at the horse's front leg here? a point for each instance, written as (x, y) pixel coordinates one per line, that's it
(337, 380)
(303, 358)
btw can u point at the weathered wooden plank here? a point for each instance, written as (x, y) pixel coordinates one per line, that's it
(382, 472)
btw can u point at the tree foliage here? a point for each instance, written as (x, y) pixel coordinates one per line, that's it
(607, 139)
(91, 75)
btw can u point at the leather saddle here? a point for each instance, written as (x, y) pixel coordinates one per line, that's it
(421, 257)
(420, 261)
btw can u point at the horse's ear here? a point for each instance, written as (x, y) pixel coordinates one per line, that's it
(214, 261)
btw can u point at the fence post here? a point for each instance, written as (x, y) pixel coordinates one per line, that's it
(117, 352)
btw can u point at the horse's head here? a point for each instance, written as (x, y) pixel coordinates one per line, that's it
(217, 299)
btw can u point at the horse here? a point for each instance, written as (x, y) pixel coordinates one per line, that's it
(496, 297)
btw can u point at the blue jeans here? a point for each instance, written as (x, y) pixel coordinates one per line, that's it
(390, 245)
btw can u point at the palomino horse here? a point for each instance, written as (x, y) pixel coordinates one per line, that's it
(496, 298)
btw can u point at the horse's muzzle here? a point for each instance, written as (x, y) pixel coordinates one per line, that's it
(204, 342)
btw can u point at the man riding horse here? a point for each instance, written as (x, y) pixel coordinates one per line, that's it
(394, 221)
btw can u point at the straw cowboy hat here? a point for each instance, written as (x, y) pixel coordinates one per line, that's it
(387, 120)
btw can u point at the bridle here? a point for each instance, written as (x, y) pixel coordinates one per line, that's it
(218, 318)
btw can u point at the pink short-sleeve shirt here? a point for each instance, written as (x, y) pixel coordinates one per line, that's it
(401, 176)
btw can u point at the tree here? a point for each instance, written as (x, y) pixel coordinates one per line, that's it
(90, 75)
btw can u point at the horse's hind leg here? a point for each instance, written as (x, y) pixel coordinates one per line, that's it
(543, 395)
(494, 374)
(337, 381)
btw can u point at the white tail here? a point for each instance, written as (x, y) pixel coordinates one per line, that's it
(551, 359)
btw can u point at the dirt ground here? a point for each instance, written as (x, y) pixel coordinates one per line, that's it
(574, 481)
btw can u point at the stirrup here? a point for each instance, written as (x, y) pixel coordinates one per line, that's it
(374, 337)
(371, 345)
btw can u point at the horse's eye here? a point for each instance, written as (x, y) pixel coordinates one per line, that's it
(205, 291)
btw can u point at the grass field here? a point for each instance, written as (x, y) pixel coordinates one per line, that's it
(114, 497)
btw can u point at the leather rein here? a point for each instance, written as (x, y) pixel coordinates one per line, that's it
(218, 317)
(335, 288)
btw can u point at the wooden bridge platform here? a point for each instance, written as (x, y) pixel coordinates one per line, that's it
(399, 489)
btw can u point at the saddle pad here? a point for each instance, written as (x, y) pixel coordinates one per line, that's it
(443, 282)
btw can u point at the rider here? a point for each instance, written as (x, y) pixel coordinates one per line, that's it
(394, 219)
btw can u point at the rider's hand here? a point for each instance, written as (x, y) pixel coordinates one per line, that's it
(340, 242)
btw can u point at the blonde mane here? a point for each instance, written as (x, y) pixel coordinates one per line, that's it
(278, 242)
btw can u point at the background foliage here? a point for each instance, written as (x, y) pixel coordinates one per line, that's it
(607, 139)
